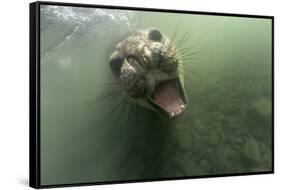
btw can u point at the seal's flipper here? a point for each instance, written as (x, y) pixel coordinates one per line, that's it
(116, 61)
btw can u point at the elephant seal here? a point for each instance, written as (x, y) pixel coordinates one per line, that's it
(147, 67)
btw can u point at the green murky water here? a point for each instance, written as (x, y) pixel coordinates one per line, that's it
(86, 138)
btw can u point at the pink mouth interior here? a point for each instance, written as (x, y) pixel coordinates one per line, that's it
(166, 95)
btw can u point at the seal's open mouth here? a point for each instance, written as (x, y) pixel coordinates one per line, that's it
(169, 99)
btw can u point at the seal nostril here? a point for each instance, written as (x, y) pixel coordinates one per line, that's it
(161, 58)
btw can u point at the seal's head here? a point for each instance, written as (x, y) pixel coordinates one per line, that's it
(148, 69)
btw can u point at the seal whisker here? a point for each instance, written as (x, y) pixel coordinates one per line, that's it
(134, 107)
(189, 70)
(113, 99)
(112, 83)
(112, 110)
(189, 55)
(109, 95)
(105, 86)
(119, 87)
(117, 105)
(173, 37)
(136, 104)
(181, 50)
(129, 114)
(123, 108)
(138, 121)
(185, 58)
(182, 41)
(102, 99)
(184, 74)
(190, 60)
(122, 105)
(185, 66)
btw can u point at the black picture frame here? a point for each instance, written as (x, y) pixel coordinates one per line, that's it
(34, 99)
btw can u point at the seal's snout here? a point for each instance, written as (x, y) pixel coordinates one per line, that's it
(158, 51)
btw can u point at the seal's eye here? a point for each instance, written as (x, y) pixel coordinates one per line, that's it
(116, 63)
(155, 35)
